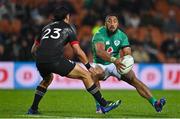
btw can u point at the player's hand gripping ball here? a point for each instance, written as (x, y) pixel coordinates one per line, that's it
(128, 61)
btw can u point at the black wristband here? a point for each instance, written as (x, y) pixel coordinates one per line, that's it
(88, 66)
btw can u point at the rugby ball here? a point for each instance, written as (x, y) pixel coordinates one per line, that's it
(128, 61)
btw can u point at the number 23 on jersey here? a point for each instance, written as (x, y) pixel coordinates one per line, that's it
(54, 35)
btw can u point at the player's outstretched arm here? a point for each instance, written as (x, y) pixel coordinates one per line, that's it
(102, 53)
(126, 51)
(82, 57)
(80, 53)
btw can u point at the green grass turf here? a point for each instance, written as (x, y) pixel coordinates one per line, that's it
(78, 103)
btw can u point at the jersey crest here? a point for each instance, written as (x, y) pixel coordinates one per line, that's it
(107, 43)
(116, 42)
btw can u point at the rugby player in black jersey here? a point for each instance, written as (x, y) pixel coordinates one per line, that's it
(48, 53)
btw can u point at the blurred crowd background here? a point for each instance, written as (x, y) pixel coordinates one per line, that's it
(152, 26)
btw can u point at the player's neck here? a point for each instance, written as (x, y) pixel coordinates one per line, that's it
(111, 33)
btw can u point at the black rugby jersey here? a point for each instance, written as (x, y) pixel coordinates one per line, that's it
(52, 40)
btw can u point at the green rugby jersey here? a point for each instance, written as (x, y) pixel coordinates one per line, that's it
(113, 44)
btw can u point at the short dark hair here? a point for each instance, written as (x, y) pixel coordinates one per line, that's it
(111, 14)
(60, 13)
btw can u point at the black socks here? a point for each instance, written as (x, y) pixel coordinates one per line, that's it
(40, 91)
(94, 90)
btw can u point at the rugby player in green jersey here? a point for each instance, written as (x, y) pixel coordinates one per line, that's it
(107, 43)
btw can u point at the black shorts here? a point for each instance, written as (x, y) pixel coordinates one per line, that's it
(63, 67)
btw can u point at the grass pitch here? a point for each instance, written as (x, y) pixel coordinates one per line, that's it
(80, 104)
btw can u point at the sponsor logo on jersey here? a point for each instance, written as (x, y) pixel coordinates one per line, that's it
(116, 42)
(110, 50)
(107, 43)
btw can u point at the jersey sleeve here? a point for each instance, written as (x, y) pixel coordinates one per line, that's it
(72, 38)
(125, 42)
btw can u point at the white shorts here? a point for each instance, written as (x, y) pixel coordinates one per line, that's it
(110, 70)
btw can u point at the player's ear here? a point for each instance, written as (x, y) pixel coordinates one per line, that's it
(67, 18)
(105, 24)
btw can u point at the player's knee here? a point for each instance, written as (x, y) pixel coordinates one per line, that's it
(129, 77)
(47, 80)
(99, 72)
